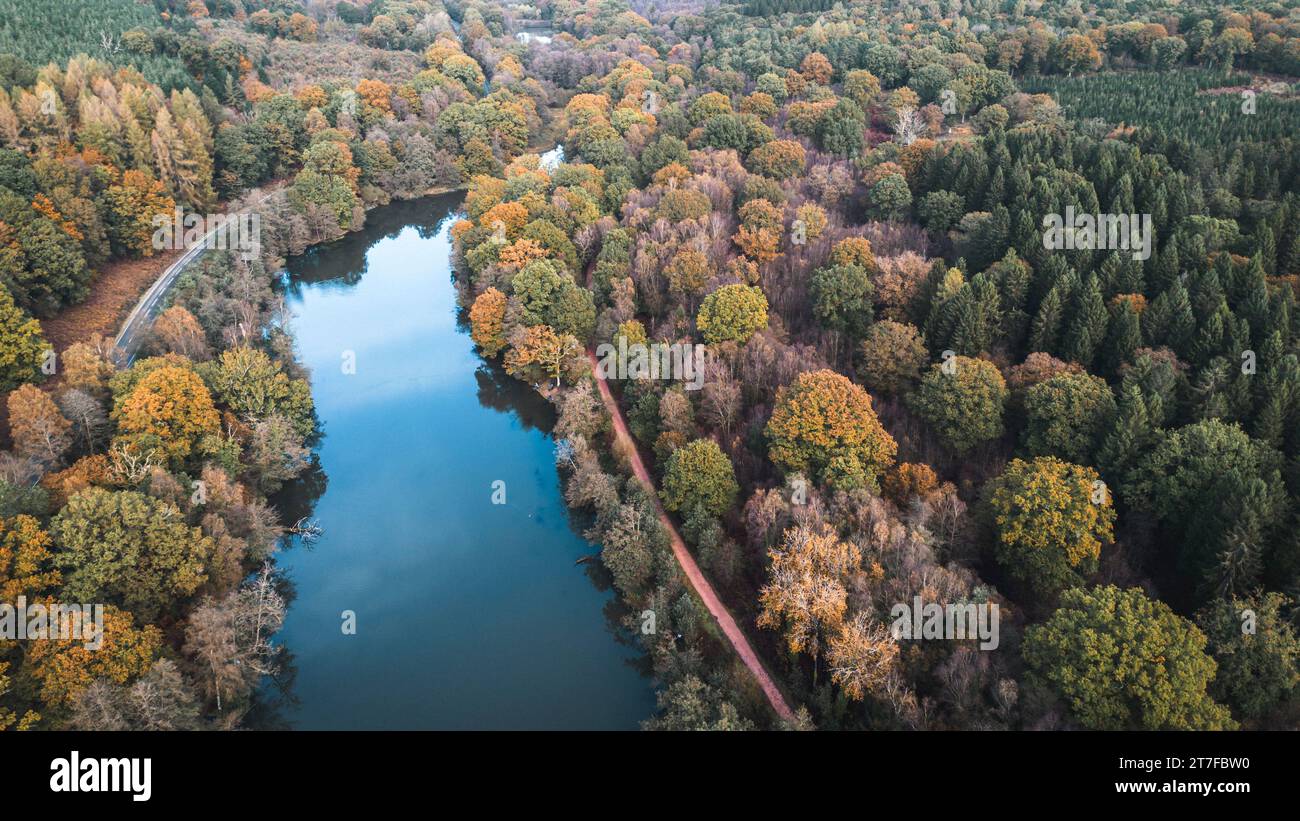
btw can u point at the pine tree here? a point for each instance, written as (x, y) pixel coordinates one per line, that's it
(1235, 530)
(1123, 337)
(1270, 422)
(1210, 390)
(1087, 329)
(1288, 253)
(1165, 268)
(1046, 329)
(1253, 302)
(1130, 433)
(1209, 340)
(975, 316)
(1179, 324)
(1266, 248)
(995, 194)
(1027, 241)
(1013, 276)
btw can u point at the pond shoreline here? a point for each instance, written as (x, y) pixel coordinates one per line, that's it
(513, 633)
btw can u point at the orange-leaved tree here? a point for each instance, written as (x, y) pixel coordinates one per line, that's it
(806, 595)
(486, 318)
(823, 425)
(170, 410)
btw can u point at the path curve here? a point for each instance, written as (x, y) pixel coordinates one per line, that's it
(693, 573)
(140, 320)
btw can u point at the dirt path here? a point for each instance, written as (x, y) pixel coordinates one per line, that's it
(693, 573)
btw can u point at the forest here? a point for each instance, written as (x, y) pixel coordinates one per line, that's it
(908, 394)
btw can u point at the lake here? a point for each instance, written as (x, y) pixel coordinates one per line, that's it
(469, 614)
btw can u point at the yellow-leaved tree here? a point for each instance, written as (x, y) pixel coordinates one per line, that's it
(486, 318)
(170, 410)
(806, 595)
(1051, 518)
(824, 426)
(66, 667)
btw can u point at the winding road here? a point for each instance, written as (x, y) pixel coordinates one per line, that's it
(140, 320)
(684, 558)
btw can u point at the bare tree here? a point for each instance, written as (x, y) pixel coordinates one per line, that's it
(229, 640)
(721, 399)
(128, 465)
(90, 425)
(309, 530)
(909, 125)
(109, 43)
(210, 642)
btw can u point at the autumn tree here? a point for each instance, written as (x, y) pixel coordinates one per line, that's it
(810, 220)
(891, 357)
(863, 657)
(806, 595)
(1075, 52)
(486, 316)
(854, 251)
(816, 68)
(732, 313)
(9, 718)
(38, 429)
(326, 185)
(1257, 651)
(63, 668)
(890, 196)
(275, 452)
(688, 273)
(22, 349)
(130, 549)
(909, 480)
(176, 330)
(26, 561)
(779, 159)
(681, 204)
(759, 234)
(1122, 661)
(229, 640)
(691, 704)
(862, 87)
(1066, 416)
(631, 542)
(47, 271)
(537, 352)
(699, 475)
(133, 203)
(161, 699)
(86, 365)
(169, 409)
(824, 426)
(963, 400)
(548, 295)
(1051, 518)
(255, 387)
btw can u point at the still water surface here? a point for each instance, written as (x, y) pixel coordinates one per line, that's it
(469, 615)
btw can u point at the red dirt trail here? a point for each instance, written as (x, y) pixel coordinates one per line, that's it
(693, 573)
